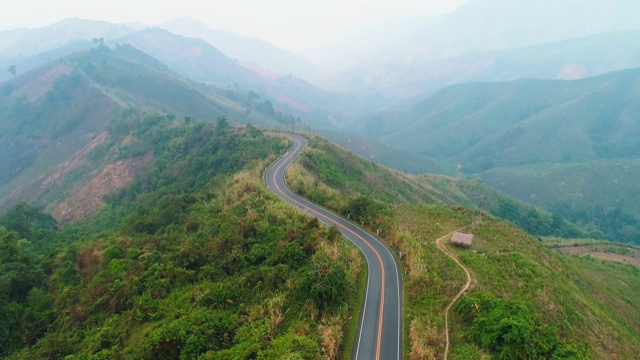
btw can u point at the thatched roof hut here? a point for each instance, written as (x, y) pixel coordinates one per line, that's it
(462, 239)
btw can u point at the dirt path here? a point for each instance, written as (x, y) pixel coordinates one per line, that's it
(440, 243)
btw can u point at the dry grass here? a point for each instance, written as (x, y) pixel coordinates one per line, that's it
(426, 341)
(331, 331)
(274, 308)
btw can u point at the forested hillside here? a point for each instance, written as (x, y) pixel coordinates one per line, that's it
(61, 111)
(195, 259)
(600, 196)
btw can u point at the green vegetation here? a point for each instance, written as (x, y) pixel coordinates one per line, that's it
(485, 125)
(327, 168)
(402, 160)
(196, 259)
(514, 330)
(598, 196)
(50, 114)
(571, 307)
(568, 146)
(28, 128)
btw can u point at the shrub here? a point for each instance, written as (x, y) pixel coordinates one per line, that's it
(512, 329)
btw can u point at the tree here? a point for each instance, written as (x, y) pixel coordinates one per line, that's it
(222, 126)
(253, 95)
(512, 329)
(30, 222)
(324, 283)
(267, 108)
(99, 42)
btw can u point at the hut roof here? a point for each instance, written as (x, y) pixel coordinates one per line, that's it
(461, 239)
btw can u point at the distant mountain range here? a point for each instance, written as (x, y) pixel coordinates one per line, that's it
(22, 43)
(250, 52)
(481, 25)
(191, 57)
(485, 125)
(568, 60)
(570, 146)
(197, 59)
(256, 54)
(492, 40)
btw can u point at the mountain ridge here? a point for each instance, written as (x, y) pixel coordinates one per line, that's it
(462, 120)
(568, 60)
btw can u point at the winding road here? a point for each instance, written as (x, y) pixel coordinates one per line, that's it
(379, 332)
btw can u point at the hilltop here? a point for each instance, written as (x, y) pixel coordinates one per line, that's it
(289, 94)
(251, 52)
(61, 110)
(192, 258)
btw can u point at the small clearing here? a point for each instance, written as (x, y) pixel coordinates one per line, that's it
(88, 200)
(619, 253)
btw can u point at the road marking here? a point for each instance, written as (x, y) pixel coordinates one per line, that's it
(285, 158)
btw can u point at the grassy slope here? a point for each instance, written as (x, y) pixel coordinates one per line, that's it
(346, 172)
(576, 295)
(389, 156)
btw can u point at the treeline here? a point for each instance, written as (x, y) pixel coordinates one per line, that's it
(536, 222)
(195, 260)
(27, 240)
(607, 223)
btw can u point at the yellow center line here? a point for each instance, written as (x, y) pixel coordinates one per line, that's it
(381, 316)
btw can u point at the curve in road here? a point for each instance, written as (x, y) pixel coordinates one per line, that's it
(379, 333)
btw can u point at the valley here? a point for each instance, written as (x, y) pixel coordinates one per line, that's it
(283, 181)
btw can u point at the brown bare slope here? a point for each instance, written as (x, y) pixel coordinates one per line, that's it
(87, 201)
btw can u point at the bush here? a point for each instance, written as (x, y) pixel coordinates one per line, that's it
(512, 329)
(324, 283)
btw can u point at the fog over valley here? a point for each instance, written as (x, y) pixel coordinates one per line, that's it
(434, 179)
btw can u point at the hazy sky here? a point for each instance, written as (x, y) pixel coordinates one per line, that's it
(292, 24)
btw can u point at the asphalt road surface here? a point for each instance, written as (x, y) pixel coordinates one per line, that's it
(379, 333)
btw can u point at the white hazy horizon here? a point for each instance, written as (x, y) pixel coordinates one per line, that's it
(293, 25)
